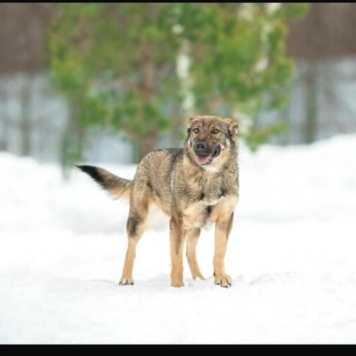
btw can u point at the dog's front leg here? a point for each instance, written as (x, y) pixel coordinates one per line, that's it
(192, 237)
(222, 230)
(177, 243)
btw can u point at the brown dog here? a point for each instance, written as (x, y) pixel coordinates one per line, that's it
(195, 186)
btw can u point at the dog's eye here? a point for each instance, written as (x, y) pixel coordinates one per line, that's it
(196, 130)
(215, 131)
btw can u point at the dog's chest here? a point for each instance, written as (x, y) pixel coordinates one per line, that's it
(210, 194)
(200, 213)
(209, 190)
(207, 201)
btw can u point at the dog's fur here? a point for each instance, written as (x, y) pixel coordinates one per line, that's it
(195, 186)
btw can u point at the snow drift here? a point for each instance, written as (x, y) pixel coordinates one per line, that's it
(291, 255)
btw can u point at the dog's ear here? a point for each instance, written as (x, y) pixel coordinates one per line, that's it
(233, 128)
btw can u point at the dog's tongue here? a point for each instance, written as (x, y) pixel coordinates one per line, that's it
(203, 159)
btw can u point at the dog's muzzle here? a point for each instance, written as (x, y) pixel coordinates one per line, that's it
(204, 153)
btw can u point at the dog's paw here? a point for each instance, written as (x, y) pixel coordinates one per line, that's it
(126, 282)
(223, 280)
(177, 284)
(198, 276)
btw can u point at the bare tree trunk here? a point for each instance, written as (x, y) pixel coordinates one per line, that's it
(149, 142)
(25, 121)
(4, 121)
(311, 120)
(71, 146)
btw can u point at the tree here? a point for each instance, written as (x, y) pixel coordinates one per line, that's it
(143, 67)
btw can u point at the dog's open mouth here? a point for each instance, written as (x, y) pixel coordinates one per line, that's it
(204, 160)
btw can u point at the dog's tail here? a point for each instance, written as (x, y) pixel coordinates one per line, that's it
(116, 186)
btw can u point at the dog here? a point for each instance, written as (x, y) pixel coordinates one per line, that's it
(195, 186)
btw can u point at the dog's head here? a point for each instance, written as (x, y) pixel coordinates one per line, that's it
(211, 140)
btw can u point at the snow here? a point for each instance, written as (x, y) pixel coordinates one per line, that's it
(291, 255)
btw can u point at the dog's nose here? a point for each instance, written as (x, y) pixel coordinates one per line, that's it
(200, 147)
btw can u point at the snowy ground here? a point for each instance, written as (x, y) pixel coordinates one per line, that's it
(292, 257)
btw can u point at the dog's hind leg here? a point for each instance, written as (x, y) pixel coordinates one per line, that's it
(139, 207)
(135, 228)
(192, 237)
